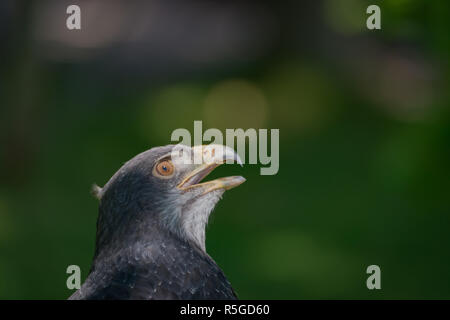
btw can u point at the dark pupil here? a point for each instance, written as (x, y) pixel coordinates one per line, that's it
(164, 168)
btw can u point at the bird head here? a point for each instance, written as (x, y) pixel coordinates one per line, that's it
(162, 191)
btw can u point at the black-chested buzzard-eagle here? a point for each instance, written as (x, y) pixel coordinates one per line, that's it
(150, 241)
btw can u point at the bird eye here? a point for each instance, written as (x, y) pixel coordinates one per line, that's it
(164, 168)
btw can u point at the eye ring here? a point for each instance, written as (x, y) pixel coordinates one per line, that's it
(164, 169)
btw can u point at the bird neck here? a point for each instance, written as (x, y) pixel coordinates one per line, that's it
(189, 219)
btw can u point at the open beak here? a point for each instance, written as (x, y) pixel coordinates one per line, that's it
(208, 158)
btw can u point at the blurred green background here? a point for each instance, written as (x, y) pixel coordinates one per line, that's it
(364, 136)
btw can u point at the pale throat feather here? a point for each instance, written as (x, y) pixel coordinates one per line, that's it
(191, 220)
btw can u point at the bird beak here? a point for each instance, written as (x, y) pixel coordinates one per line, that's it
(206, 159)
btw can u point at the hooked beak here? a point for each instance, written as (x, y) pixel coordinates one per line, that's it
(210, 157)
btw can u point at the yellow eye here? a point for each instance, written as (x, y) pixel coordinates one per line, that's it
(164, 168)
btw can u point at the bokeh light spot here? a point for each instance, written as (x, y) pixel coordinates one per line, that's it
(235, 104)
